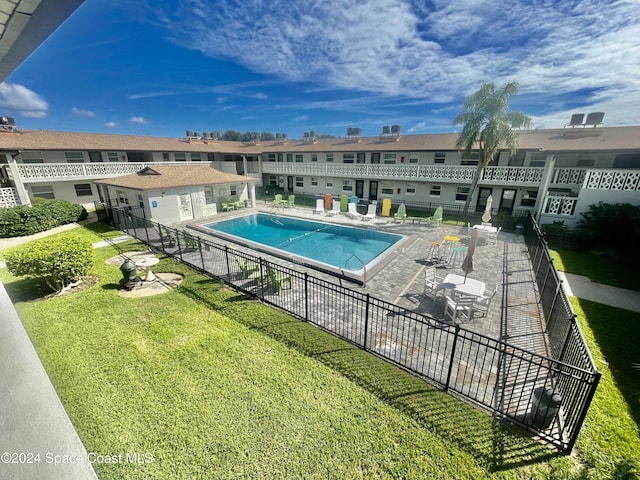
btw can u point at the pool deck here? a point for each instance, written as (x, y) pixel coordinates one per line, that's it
(501, 262)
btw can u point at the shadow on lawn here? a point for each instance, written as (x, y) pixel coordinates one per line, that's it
(495, 445)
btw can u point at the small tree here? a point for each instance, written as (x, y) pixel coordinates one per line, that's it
(487, 124)
(58, 262)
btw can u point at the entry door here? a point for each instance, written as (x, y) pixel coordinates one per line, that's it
(507, 201)
(483, 194)
(184, 207)
(290, 184)
(373, 190)
(360, 188)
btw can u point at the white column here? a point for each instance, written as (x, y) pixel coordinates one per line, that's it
(23, 196)
(252, 193)
(547, 176)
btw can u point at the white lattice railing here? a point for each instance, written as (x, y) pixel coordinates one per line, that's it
(569, 176)
(8, 197)
(560, 205)
(624, 180)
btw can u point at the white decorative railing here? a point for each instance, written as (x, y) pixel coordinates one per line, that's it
(8, 197)
(560, 205)
(625, 180)
(569, 176)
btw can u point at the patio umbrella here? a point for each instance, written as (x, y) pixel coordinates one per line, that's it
(467, 263)
(486, 216)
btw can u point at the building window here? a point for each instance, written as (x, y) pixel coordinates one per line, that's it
(181, 157)
(329, 184)
(434, 191)
(83, 189)
(299, 157)
(95, 156)
(233, 190)
(113, 156)
(411, 188)
(347, 186)
(280, 157)
(348, 157)
(271, 157)
(122, 197)
(165, 156)
(289, 157)
(74, 157)
(32, 157)
(141, 202)
(375, 157)
(43, 191)
(439, 157)
(210, 157)
(314, 157)
(387, 188)
(413, 160)
(586, 162)
(227, 157)
(314, 182)
(626, 160)
(299, 181)
(360, 158)
(536, 163)
(208, 196)
(470, 158)
(195, 157)
(329, 157)
(389, 158)
(529, 198)
(273, 180)
(462, 193)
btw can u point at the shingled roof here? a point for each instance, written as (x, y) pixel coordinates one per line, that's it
(165, 177)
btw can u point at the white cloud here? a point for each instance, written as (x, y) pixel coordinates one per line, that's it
(418, 127)
(15, 97)
(301, 118)
(83, 113)
(110, 125)
(439, 51)
(140, 120)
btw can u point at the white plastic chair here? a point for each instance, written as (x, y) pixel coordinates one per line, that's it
(371, 212)
(319, 206)
(335, 209)
(483, 302)
(431, 281)
(352, 212)
(460, 309)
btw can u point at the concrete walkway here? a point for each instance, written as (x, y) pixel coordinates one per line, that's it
(582, 287)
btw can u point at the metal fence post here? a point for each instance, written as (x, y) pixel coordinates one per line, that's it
(366, 321)
(226, 256)
(453, 354)
(306, 296)
(201, 255)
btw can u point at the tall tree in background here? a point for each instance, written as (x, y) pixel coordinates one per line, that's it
(488, 126)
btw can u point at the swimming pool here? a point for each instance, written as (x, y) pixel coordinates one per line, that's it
(344, 248)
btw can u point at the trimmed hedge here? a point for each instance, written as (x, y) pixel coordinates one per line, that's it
(58, 261)
(43, 215)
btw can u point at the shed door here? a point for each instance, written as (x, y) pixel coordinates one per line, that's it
(184, 206)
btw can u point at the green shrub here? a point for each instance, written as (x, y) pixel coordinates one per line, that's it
(556, 232)
(42, 215)
(603, 224)
(58, 262)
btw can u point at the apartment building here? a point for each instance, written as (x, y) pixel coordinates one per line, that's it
(555, 173)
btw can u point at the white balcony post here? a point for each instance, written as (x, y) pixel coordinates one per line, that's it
(17, 179)
(547, 175)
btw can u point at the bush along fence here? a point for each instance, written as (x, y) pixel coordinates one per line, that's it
(518, 386)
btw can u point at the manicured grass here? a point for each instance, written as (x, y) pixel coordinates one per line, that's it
(617, 268)
(216, 385)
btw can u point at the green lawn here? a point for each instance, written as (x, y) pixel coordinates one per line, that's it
(215, 385)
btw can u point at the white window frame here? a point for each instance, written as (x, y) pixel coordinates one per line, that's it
(74, 157)
(43, 191)
(299, 182)
(435, 190)
(347, 185)
(387, 188)
(411, 188)
(462, 193)
(83, 188)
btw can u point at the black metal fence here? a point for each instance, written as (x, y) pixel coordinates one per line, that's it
(502, 378)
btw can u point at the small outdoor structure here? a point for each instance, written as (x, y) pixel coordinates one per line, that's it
(171, 194)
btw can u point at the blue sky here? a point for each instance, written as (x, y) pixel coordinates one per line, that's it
(163, 67)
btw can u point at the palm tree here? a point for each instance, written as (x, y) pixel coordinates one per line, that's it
(487, 125)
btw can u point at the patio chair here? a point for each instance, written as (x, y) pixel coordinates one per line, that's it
(249, 269)
(352, 212)
(279, 279)
(436, 219)
(481, 304)
(291, 202)
(226, 205)
(166, 235)
(277, 200)
(190, 241)
(335, 209)
(494, 235)
(319, 206)
(458, 309)
(401, 214)
(235, 201)
(431, 281)
(371, 212)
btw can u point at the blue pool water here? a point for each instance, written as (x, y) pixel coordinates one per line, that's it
(326, 243)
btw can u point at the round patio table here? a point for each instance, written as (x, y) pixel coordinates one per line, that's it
(147, 263)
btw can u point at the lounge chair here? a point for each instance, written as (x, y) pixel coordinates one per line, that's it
(436, 219)
(167, 237)
(277, 200)
(352, 212)
(335, 209)
(319, 206)
(371, 212)
(190, 241)
(249, 269)
(226, 205)
(401, 214)
(278, 279)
